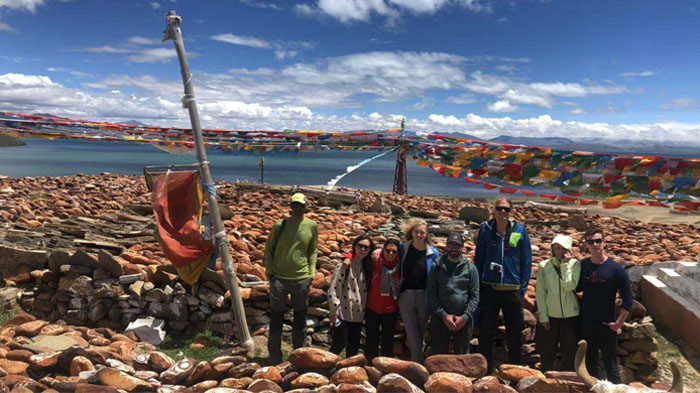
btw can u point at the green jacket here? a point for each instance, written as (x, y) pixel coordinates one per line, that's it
(456, 293)
(290, 254)
(555, 289)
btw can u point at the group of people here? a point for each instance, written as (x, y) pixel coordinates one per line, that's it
(449, 294)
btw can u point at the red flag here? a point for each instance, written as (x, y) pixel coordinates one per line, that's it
(550, 196)
(506, 190)
(586, 202)
(489, 186)
(528, 193)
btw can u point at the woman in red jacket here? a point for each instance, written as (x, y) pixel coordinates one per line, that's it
(381, 311)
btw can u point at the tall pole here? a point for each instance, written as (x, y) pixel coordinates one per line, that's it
(172, 32)
(400, 183)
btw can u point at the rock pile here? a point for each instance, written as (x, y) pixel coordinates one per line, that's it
(36, 356)
(119, 274)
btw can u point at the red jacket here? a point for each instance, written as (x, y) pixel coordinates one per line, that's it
(375, 301)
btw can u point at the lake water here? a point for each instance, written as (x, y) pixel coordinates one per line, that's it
(41, 157)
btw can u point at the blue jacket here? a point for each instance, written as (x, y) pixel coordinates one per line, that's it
(504, 262)
(431, 255)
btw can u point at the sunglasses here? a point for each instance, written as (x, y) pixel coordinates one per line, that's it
(362, 246)
(596, 241)
(503, 209)
(390, 251)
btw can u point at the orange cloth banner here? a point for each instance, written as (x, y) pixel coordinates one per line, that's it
(177, 205)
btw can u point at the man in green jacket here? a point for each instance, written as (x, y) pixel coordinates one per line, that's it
(557, 306)
(290, 262)
(453, 294)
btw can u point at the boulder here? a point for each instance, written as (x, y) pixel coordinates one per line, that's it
(353, 374)
(415, 372)
(270, 373)
(374, 374)
(13, 366)
(469, 365)
(364, 387)
(199, 372)
(491, 384)
(44, 343)
(538, 385)
(260, 385)
(177, 372)
(80, 364)
(514, 373)
(474, 214)
(395, 383)
(313, 358)
(445, 382)
(357, 360)
(159, 362)
(120, 380)
(236, 383)
(309, 380)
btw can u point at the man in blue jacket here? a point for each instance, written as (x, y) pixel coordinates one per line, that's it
(503, 258)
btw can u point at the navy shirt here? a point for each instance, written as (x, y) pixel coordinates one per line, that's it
(600, 283)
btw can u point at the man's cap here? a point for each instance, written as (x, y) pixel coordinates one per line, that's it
(299, 198)
(564, 241)
(455, 238)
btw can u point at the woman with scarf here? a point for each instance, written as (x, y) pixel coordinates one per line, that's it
(380, 314)
(347, 297)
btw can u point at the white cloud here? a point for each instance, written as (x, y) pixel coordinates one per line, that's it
(350, 11)
(154, 55)
(502, 106)
(577, 111)
(461, 99)
(157, 102)
(242, 40)
(138, 40)
(681, 104)
(445, 120)
(79, 74)
(29, 5)
(261, 4)
(6, 28)
(527, 97)
(282, 49)
(637, 74)
(105, 49)
(155, 5)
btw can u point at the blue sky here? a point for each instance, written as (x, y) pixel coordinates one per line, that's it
(610, 69)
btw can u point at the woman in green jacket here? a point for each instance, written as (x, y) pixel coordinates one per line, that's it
(557, 305)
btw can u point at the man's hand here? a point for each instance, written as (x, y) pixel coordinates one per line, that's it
(545, 325)
(450, 322)
(460, 322)
(614, 326)
(346, 262)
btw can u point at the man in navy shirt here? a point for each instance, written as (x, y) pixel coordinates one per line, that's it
(601, 279)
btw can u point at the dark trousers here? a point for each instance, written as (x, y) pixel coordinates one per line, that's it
(299, 291)
(511, 302)
(379, 325)
(601, 338)
(562, 334)
(441, 337)
(346, 335)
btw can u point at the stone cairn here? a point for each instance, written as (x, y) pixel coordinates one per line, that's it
(118, 274)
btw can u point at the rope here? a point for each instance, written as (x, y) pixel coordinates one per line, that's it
(220, 239)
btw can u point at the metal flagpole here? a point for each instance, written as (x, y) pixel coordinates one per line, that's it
(172, 32)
